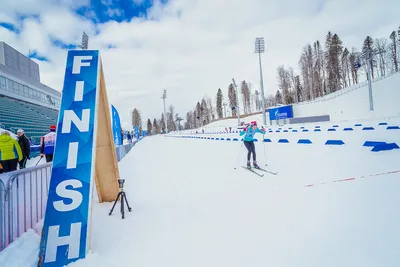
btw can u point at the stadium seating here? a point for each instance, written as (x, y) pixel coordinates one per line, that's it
(34, 119)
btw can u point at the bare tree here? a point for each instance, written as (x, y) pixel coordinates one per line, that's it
(381, 48)
(393, 49)
(210, 108)
(354, 60)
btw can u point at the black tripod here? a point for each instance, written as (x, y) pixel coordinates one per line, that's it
(123, 199)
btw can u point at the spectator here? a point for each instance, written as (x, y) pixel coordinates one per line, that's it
(47, 144)
(10, 152)
(25, 148)
(129, 137)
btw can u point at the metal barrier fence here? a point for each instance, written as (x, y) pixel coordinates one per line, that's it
(23, 198)
(2, 216)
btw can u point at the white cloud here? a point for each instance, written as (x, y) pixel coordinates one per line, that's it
(192, 48)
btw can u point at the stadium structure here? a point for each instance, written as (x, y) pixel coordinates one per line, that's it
(25, 102)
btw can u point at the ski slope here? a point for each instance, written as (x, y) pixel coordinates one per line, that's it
(328, 205)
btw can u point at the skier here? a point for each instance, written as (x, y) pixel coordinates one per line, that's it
(248, 141)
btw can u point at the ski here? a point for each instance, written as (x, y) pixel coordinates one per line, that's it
(270, 172)
(253, 171)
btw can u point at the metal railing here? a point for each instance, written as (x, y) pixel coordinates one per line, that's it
(23, 198)
(2, 216)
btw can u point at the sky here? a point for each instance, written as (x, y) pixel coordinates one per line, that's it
(189, 47)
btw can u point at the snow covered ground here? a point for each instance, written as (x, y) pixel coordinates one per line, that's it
(328, 206)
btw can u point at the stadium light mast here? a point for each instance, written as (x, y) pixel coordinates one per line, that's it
(85, 41)
(237, 101)
(164, 96)
(260, 48)
(368, 56)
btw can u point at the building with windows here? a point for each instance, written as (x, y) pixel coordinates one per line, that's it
(25, 102)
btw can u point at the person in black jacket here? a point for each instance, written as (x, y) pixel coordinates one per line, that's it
(25, 148)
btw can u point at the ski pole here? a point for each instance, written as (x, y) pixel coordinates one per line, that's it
(38, 161)
(265, 151)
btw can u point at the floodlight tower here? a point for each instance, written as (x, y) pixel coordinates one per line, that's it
(260, 48)
(368, 56)
(85, 41)
(164, 96)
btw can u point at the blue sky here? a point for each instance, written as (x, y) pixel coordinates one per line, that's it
(98, 12)
(116, 10)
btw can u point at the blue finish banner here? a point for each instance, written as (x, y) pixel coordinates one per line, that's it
(280, 113)
(65, 235)
(116, 126)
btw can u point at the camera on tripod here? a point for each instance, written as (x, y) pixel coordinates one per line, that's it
(122, 197)
(121, 184)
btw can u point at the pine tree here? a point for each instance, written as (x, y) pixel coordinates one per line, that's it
(189, 120)
(198, 114)
(136, 118)
(195, 120)
(220, 99)
(393, 48)
(232, 99)
(205, 119)
(149, 127)
(278, 97)
(368, 51)
(156, 129)
(162, 123)
(246, 97)
(170, 119)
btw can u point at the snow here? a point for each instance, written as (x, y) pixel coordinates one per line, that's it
(354, 104)
(192, 208)
(24, 251)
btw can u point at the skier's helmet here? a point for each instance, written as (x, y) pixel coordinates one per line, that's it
(253, 123)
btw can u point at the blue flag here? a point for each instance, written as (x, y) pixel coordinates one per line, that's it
(116, 126)
(136, 128)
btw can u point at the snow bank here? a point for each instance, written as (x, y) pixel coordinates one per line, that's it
(24, 251)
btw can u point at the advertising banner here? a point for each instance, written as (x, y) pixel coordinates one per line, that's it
(281, 113)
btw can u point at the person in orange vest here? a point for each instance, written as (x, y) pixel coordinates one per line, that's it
(47, 144)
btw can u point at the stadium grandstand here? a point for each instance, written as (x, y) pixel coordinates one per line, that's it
(25, 102)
